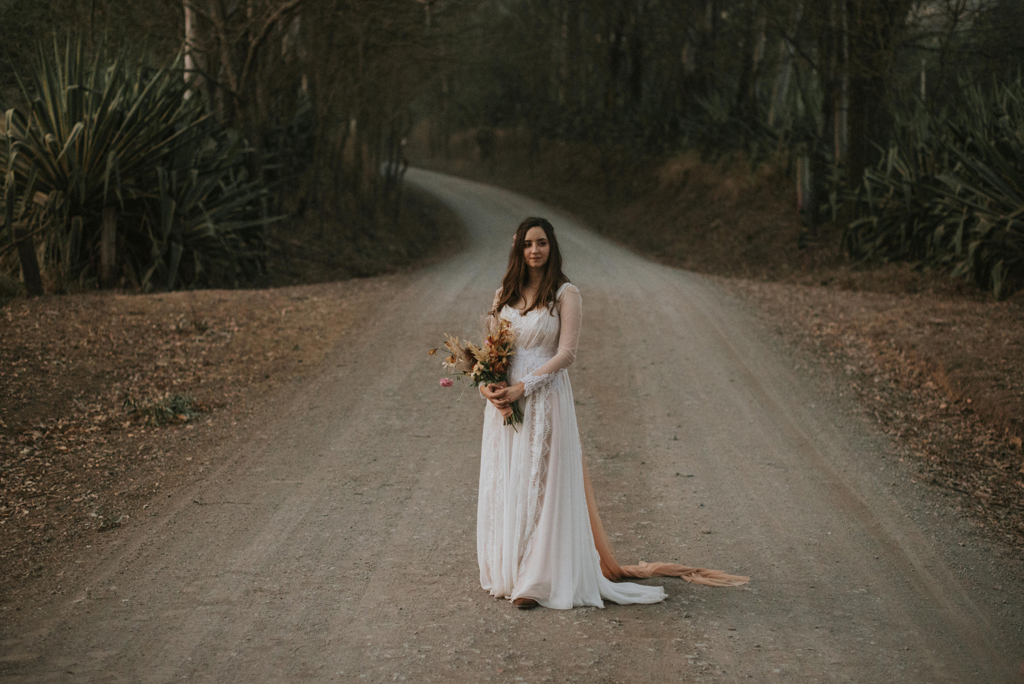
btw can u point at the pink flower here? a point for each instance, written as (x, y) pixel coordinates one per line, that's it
(446, 382)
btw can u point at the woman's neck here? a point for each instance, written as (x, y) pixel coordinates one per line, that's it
(530, 286)
(534, 276)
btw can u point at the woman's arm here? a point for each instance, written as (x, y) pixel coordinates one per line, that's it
(497, 296)
(571, 320)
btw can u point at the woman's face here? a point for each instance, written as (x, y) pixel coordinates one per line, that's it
(536, 249)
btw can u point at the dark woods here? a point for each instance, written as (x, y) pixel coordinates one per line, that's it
(841, 94)
(261, 132)
(903, 120)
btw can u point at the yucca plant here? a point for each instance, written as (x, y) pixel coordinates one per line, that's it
(120, 151)
(949, 192)
(897, 196)
(207, 227)
(983, 200)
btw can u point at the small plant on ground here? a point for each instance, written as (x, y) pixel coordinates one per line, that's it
(167, 410)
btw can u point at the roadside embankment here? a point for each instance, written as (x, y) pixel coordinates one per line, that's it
(110, 399)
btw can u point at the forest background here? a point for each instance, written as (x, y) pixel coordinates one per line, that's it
(900, 122)
(855, 167)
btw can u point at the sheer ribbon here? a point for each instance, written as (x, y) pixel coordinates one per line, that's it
(611, 569)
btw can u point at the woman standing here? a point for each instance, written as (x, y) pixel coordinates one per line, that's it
(539, 538)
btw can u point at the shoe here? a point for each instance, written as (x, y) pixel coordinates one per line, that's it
(525, 603)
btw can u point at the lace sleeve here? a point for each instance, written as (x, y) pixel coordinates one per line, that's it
(570, 314)
(497, 296)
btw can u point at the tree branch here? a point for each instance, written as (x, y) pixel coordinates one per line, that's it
(264, 33)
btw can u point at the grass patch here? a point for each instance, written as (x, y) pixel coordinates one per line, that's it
(167, 410)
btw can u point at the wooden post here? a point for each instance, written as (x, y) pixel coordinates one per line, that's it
(108, 246)
(190, 43)
(22, 235)
(29, 262)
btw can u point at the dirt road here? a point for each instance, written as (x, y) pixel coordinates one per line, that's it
(338, 543)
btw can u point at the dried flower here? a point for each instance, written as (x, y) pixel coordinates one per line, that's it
(483, 365)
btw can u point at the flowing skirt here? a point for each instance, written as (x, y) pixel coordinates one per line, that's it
(534, 533)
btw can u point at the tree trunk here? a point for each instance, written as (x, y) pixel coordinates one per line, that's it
(821, 150)
(561, 48)
(29, 263)
(876, 28)
(446, 132)
(744, 107)
(190, 44)
(842, 113)
(781, 92)
(615, 56)
(707, 70)
(108, 246)
(636, 57)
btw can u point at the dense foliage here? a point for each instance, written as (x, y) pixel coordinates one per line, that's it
(324, 96)
(112, 144)
(309, 97)
(818, 88)
(949, 190)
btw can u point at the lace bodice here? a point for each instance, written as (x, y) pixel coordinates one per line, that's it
(546, 341)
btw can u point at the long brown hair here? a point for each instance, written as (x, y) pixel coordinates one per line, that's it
(515, 277)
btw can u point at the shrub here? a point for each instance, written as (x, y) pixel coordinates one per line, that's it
(115, 142)
(948, 193)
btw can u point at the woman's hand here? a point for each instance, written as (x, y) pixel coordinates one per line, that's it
(506, 397)
(492, 393)
(498, 394)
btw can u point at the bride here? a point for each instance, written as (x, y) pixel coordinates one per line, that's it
(539, 537)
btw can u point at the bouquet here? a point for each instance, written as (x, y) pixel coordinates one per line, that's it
(484, 365)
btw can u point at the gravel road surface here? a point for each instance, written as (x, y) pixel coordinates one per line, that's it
(337, 543)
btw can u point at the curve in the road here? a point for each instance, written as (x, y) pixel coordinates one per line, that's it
(349, 552)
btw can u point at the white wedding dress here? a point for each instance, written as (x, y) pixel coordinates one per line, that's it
(534, 535)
